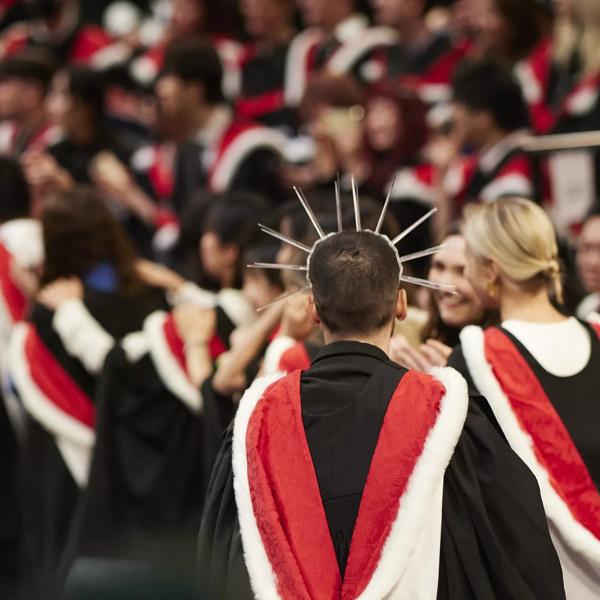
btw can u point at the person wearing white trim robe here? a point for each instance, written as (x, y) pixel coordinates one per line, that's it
(358, 478)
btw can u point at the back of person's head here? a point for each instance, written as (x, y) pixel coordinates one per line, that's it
(80, 233)
(488, 86)
(355, 280)
(88, 88)
(518, 236)
(196, 62)
(16, 200)
(33, 66)
(233, 219)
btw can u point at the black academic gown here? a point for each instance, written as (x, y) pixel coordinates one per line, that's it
(48, 492)
(492, 515)
(152, 462)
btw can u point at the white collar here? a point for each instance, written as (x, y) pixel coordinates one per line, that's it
(492, 156)
(351, 27)
(563, 348)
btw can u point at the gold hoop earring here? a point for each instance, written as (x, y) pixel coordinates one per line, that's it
(491, 288)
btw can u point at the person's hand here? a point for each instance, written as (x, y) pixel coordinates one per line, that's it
(436, 353)
(44, 174)
(60, 291)
(429, 355)
(25, 279)
(404, 354)
(159, 276)
(195, 325)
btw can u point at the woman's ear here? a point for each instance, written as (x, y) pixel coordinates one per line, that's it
(401, 305)
(311, 309)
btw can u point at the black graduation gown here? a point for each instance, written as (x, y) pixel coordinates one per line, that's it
(152, 462)
(48, 492)
(492, 513)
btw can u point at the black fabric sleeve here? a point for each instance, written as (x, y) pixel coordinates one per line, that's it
(495, 541)
(221, 568)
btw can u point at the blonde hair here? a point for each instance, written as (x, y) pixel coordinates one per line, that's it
(581, 33)
(518, 235)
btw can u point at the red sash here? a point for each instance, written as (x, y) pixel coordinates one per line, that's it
(286, 502)
(13, 297)
(553, 447)
(295, 358)
(55, 383)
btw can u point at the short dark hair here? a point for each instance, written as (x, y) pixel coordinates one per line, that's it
(490, 86)
(33, 66)
(16, 200)
(88, 87)
(195, 61)
(355, 280)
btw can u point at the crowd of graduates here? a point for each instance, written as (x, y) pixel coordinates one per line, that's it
(141, 144)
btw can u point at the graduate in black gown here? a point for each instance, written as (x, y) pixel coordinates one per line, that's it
(89, 282)
(360, 478)
(540, 372)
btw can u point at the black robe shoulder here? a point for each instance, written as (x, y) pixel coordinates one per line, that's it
(494, 543)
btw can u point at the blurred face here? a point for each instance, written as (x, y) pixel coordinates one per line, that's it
(257, 289)
(187, 17)
(470, 127)
(314, 12)
(217, 258)
(588, 255)
(383, 124)
(263, 17)
(491, 28)
(175, 100)
(396, 13)
(61, 107)
(9, 99)
(448, 266)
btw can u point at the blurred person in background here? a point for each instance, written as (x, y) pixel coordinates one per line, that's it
(167, 368)
(338, 39)
(219, 153)
(271, 66)
(192, 19)
(490, 121)
(588, 265)
(561, 79)
(510, 30)
(55, 25)
(24, 83)
(331, 114)
(90, 262)
(423, 58)
(21, 256)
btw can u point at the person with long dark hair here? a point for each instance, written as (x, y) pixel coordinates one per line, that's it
(89, 281)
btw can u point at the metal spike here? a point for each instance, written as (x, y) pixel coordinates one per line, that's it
(338, 206)
(284, 238)
(385, 206)
(260, 265)
(309, 211)
(422, 253)
(356, 201)
(414, 226)
(442, 287)
(285, 297)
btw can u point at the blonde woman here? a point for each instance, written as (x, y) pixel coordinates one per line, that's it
(540, 372)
